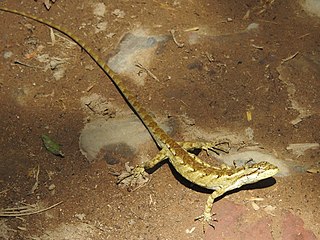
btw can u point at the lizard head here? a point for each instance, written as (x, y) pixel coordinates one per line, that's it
(253, 173)
(262, 170)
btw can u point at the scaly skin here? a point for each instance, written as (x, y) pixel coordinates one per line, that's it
(221, 179)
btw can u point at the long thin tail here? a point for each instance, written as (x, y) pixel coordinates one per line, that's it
(156, 132)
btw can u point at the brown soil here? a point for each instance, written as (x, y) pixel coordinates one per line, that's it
(225, 74)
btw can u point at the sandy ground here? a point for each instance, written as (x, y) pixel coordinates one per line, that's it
(248, 72)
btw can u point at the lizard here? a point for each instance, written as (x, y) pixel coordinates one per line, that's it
(220, 179)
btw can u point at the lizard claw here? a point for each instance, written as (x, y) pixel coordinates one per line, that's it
(206, 219)
(219, 147)
(133, 178)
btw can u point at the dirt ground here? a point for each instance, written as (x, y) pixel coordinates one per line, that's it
(248, 71)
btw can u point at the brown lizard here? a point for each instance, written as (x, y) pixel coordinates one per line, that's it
(220, 179)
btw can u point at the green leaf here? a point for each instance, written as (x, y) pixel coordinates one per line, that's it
(51, 145)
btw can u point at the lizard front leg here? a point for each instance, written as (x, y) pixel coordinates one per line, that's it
(206, 217)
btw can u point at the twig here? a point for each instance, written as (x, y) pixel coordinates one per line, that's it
(257, 47)
(69, 43)
(139, 65)
(25, 64)
(210, 57)
(36, 176)
(52, 36)
(193, 29)
(289, 58)
(25, 210)
(304, 35)
(180, 45)
(4, 191)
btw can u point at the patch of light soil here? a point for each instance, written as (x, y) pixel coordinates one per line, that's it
(99, 11)
(311, 6)
(98, 134)
(111, 132)
(299, 149)
(137, 47)
(291, 73)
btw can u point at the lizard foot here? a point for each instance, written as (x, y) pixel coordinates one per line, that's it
(216, 147)
(206, 218)
(133, 178)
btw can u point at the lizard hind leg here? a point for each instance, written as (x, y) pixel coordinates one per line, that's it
(136, 177)
(133, 177)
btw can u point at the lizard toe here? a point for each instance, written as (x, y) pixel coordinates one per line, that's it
(133, 178)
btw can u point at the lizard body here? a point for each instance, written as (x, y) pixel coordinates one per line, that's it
(220, 179)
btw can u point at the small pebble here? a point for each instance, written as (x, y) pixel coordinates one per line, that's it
(80, 216)
(7, 54)
(51, 187)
